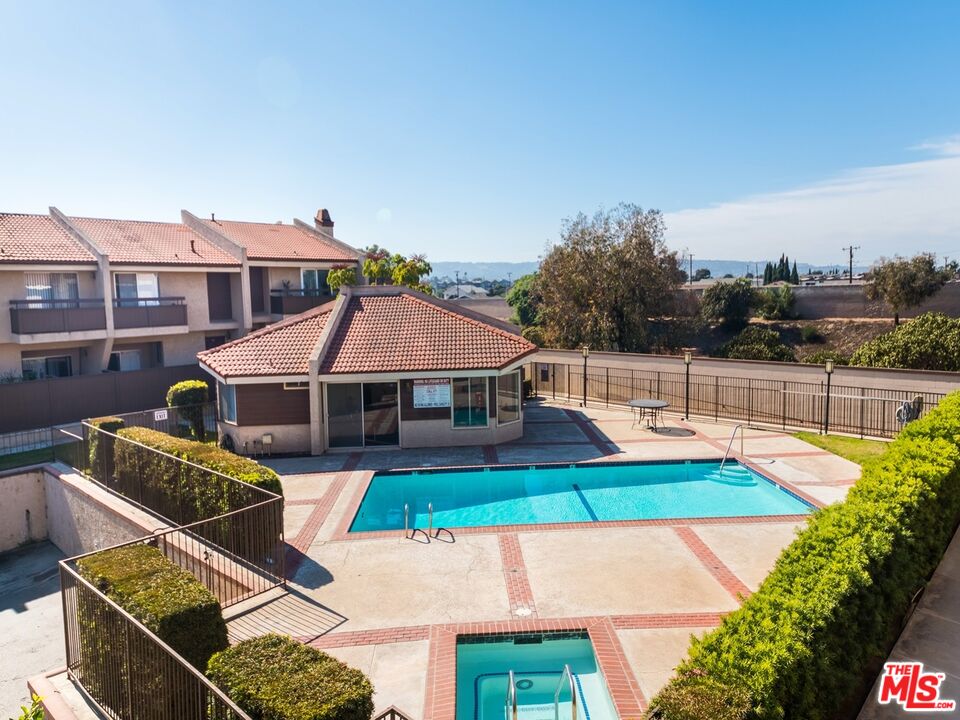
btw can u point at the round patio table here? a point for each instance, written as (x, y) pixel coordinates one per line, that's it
(650, 409)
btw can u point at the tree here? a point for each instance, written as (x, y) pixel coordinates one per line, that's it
(729, 303)
(701, 274)
(905, 283)
(609, 275)
(524, 298)
(341, 275)
(756, 343)
(930, 342)
(768, 274)
(409, 272)
(794, 275)
(377, 265)
(497, 288)
(189, 397)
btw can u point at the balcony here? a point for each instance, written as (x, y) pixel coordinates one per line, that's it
(29, 317)
(293, 302)
(149, 312)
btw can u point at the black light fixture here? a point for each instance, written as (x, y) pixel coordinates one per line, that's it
(828, 368)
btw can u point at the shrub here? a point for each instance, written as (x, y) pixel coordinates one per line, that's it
(534, 333)
(170, 601)
(930, 342)
(189, 397)
(809, 334)
(807, 643)
(756, 343)
(776, 303)
(821, 356)
(730, 303)
(276, 678)
(101, 446)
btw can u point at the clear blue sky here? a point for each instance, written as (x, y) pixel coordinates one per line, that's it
(469, 131)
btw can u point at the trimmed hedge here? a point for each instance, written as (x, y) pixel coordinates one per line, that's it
(276, 678)
(189, 396)
(170, 601)
(101, 446)
(808, 643)
(208, 456)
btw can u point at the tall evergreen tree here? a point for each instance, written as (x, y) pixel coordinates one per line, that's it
(768, 273)
(794, 275)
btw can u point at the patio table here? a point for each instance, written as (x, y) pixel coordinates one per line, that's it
(650, 409)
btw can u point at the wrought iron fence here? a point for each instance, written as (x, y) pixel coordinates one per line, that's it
(787, 404)
(176, 421)
(228, 534)
(129, 672)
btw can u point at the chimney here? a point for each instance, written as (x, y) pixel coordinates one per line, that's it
(323, 221)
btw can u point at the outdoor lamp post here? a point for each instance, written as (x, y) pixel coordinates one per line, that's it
(687, 359)
(586, 353)
(828, 368)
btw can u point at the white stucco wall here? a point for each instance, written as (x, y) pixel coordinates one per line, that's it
(23, 514)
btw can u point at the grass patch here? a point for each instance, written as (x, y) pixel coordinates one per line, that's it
(27, 457)
(853, 449)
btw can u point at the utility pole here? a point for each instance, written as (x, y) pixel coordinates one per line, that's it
(850, 250)
(690, 277)
(457, 275)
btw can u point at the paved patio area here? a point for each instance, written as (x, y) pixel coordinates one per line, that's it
(393, 607)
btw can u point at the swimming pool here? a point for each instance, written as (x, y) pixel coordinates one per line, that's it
(537, 660)
(592, 492)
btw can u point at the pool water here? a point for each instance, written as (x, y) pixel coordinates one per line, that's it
(537, 660)
(594, 492)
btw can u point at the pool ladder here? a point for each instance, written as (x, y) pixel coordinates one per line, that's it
(566, 681)
(730, 444)
(429, 532)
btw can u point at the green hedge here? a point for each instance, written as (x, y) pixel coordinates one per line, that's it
(930, 342)
(170, 601)
(189, 397)
(101, 446)
(208, 456)
(808, 643)
(276, 678)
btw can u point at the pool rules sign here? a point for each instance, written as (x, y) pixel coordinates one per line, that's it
(431, 393)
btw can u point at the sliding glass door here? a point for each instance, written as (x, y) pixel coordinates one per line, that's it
(363, 414)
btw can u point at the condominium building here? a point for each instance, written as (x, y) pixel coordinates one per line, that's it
(94, 295)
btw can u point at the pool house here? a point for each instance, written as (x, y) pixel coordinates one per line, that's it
(379, 366)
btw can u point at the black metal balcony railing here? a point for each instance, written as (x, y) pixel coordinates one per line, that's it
(51, 316)
(149, 312)
(292, 302)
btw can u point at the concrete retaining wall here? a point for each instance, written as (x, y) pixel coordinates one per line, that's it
(23, 515)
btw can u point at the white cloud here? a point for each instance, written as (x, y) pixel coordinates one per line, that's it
(947, 146)
(887, 210)
(384, 215)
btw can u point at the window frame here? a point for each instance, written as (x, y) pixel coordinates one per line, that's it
(46, 359)
(519, 417)
(119, 354)
(232, 390)
(486, 394)
(138, 300)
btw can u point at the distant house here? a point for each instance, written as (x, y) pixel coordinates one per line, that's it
(378, 366)
(463, 290)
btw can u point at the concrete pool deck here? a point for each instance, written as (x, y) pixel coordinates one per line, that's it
(393, 607)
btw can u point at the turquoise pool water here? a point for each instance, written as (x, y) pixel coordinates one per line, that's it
(537, 660)
(578, 493)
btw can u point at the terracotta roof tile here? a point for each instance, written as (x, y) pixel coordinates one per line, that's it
(139, 242)
(283, 348)
(380, 330)
(277, 241)
(38, 239)
(405, 332)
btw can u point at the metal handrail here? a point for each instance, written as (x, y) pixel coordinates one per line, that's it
(568, 675)
(406, 520)
(429, 519)
(149, 301)
(510, 702)
(55, 303)
(730, 444)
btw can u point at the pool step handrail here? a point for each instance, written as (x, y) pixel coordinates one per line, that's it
(730, 444)
(510, 702)
(566, 680)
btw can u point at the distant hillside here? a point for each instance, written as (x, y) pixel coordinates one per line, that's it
(484, 270)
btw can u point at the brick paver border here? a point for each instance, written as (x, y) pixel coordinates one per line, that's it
(721, 573)
(515, 575)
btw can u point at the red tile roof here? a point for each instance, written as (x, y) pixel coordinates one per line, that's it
(378, 330)
(283, 348)
(277, 241)
(407, 332)
(38, 239)
(138, 242)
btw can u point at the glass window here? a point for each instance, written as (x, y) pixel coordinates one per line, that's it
(36, 368)
(508, 398)
(124, 360)
(344, 414)
(314, 282)
(51, 286)
(228, 402)
(133, 288)
(470, 402)
(381, 416)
